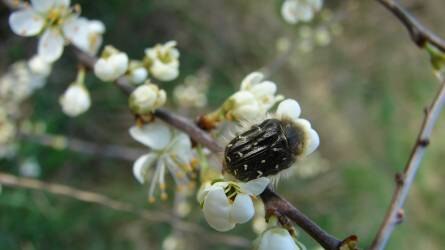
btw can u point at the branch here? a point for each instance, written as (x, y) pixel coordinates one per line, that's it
(419, 33)
(100, 199)
(405, 180)
(85, 147)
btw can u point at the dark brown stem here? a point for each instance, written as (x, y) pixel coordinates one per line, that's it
(273, 202)
(419, 33)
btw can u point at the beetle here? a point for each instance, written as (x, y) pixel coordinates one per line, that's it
(264, 149)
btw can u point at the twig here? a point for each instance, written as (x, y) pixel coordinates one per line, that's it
(419, 33)
(85, 147)
(405, 180)
(100, 199)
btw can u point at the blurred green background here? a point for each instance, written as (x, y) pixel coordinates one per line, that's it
(364, 93)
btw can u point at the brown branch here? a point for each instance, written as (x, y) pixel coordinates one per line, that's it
(405, 180)
(100, 199)
(419, 33)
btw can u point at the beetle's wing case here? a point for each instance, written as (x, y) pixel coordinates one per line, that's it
(262, 150)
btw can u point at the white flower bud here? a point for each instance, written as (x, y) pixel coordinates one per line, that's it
(39, 66)
(163, 61)
(111, 65)
(137, 73)
(146, 98)
(75, 100)
(294, 11)
(276, 238)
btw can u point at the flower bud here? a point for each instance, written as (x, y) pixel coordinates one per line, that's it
(111, 65)
(39, 66)
(137, 73)
(75, 100)
(163, 61)
(146, 98)
(275, 238)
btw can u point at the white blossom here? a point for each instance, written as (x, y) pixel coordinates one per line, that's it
(193, 93)
(146, 98)
(163, 61)
(170, 150)
(75, 100)
(45, 18)
(290, 110)
(227, 203)
(85, 34)
(294, 11)
(111, 65)
(7, 129)
(39, 66)
(253, 100)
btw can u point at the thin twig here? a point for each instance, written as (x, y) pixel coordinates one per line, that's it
(405, 180)
(419, 33)
(100, 199)
(85, 147)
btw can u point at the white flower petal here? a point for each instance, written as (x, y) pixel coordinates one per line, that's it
(182, 148)
(289, 11)
(314, 142)
(251, 79)
(303, 123)
(277, 239)
(217, 210)
(266, 88)
(42, 5)
(141, 166)
(26, 22)
(50, 46)
(289, 108)
(156, 135)
(65, 3)
(242, 209)
(255, 186)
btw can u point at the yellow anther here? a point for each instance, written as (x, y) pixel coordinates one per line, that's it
(164, 196)
(162, 186)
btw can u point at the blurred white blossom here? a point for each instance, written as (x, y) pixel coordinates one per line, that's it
(227, 203)
(7, 128)
(193, 93)
(170, 150)
(146, 98)
(19, 82)
(48, 19)
(111, 65)
(30, 168)
(163, 61)
(294, 11)
(39, 66)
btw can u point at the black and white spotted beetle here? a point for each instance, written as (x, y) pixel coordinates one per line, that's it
(264, 149)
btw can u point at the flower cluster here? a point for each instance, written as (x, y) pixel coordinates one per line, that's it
(294, 11)
(161, 62)
(170, 151)
(56, 22)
